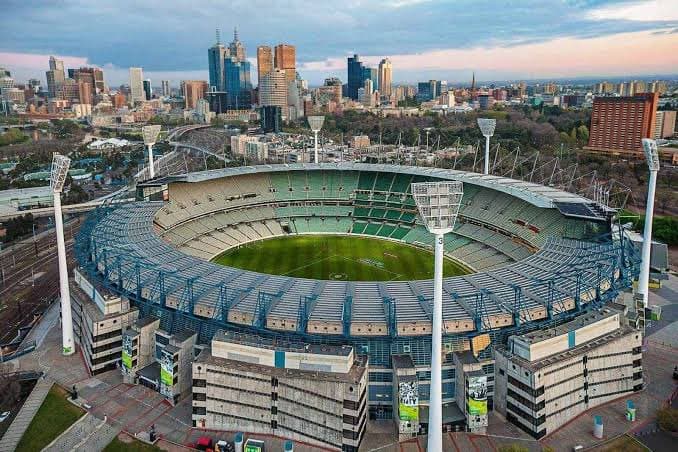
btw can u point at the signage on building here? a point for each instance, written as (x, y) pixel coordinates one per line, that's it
(166, 374)
(408, 401)
(477, 402)
(127, 351)
(477, 395)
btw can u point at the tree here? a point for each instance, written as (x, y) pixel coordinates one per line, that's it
(667, 419)
(513, 448)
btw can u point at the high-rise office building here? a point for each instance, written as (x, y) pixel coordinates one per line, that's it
(264, 62)
(371, 74)
(215, 56)
(236, 48)
(619, 123)
(148, 90)
(271, 118)
(665, 124)
(70, 90)
(55, 77)
(85, 92)
(285, 60)
(355, 76)
(165, 88)
(273, 89)
(136, 84)
(193, 91)
(385, 77)
(368, 93)
(238, 83)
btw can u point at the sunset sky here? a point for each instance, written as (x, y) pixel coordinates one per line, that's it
(444, 39)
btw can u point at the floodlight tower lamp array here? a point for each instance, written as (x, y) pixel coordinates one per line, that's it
(60, 165)
(438, 205)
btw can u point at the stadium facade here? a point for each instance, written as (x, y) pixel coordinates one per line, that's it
(540, 257)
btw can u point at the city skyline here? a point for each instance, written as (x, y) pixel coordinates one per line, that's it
(570, 39)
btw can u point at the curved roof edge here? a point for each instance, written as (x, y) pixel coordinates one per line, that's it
(538, 195)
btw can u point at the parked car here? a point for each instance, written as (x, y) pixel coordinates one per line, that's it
(4, 416)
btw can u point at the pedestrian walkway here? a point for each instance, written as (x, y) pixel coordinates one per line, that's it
(88, 433)
(23, 419)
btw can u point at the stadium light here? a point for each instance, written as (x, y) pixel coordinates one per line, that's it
(316, 123)
(652, 157)
(487, 129)
(60, 164)
(438, 205)
(150, 134)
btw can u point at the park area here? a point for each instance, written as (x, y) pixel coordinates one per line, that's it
(54, 416)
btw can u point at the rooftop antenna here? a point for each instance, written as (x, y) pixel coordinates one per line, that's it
(218, 36)
(235, 34)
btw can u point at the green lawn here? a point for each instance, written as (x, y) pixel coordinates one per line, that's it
(337, 257)
(54, 416)
(132, 446)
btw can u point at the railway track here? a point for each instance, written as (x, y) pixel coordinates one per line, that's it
(30, 282)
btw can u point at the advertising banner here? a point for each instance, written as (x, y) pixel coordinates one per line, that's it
(127, 351)
(408, 401)
(477, 395)
(166, 371)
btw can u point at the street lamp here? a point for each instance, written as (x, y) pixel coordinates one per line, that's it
(150, 134)
(438, 205)
(60, 164)
(316, 123)
(652, 157)
(487, 129)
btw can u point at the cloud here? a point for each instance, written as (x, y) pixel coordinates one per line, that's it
(169, 37)
(643, 11)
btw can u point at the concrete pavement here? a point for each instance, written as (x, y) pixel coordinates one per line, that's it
(21, 422)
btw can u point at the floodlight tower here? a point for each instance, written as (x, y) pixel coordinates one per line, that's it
(438, 205)
(60, 164)
(652, 156)
(316, 123)
(150, 134)
(487, 129)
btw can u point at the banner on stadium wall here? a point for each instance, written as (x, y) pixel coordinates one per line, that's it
(408, 401)
(167, 369)
(127, 351)
(477, 395)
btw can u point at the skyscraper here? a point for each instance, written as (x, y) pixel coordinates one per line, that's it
(619, 123)
(355, 77)
(165, 88)
(148, 91)
(273, 89)
(236, 48)
(55, 77)
(264, 62)
(85, 92)
(285, 60)
(385, 77)
(136, 84)
(215, 56)
(238, 83)
(372, 74)
(193, 91)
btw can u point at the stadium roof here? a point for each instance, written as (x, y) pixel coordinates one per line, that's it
(538, 195)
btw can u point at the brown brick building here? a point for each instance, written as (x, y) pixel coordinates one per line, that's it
(619, 123)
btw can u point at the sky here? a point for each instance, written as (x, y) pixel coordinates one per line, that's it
(442, 39)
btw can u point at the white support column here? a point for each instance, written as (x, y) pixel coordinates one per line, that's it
(315, 140)
(644, 277)
(435, 416)
(487, 155)
(151, 169)
(68, 347)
